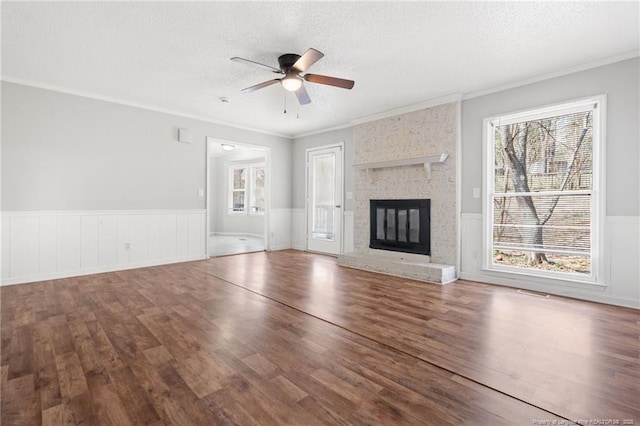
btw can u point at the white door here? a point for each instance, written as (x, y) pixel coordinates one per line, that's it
(324, 200)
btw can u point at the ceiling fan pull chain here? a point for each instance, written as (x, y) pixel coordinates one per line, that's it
(285, 102)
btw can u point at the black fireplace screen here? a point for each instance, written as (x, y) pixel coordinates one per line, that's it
(400, 225)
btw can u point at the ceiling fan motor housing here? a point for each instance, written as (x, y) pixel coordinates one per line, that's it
(287, 60)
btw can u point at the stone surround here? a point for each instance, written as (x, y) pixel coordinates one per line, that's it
(419, 133)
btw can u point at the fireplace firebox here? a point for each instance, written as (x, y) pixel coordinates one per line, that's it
(400, 225)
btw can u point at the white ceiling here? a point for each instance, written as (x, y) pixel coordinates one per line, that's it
(174, 56)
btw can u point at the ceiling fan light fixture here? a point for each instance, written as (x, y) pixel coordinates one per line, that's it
(227, 147)
(291, 82)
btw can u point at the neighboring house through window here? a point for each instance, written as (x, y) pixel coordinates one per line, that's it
(542, 183)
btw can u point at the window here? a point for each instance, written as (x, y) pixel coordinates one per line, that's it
(256, 200)
(542, 204)
(247, 189)
(237, 189)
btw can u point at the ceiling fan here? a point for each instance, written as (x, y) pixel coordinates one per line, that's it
(292, 66)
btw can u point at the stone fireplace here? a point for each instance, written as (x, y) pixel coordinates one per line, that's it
(406, 157)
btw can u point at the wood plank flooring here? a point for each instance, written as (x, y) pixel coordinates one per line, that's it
(291, 338)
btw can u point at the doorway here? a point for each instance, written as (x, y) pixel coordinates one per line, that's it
(324, 199)
(238, 192)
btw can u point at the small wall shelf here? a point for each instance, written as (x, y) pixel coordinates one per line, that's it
(426, 161)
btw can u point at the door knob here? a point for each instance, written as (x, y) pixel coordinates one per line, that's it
(338, 206)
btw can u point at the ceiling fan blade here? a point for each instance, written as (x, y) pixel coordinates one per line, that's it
(255, 64)
(330, 81)
(260, 85)
(303, 96)
(310, 57)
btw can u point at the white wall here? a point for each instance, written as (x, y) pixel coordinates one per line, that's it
(621, 247)
(72, 156)
(66, 152)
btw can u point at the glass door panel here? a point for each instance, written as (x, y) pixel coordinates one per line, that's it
(324, 199)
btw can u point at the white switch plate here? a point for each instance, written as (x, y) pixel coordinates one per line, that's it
(200, 192)
(476, 192)
(349, 195)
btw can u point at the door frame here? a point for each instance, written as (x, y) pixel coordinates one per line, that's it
(306, 193)
(267, 168)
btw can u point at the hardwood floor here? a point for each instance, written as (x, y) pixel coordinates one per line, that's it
(291, 338)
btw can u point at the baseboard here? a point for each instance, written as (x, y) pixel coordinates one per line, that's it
(101, 270)
(244, 234)
(598, 298)
(280, 247)
(298, 247)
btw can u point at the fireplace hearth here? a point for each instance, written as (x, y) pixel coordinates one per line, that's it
(400, 225)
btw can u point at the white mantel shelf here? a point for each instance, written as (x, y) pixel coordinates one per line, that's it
(427, 161)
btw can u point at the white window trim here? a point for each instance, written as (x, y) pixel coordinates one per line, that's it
(598, 201)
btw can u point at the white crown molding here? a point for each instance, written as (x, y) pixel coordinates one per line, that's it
(462, 97)
(365, 119)
(430, 103)
(389, 113)
(326, 130)
(129, 103)
(549, 76)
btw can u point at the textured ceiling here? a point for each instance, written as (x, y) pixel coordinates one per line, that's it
(175, 56)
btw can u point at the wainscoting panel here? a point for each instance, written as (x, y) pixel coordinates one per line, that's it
(470, 243)
(4, 248)
(139, 238)
(182, 235)
(195, 236)
(299, 229)
(46, 245)
(621, 269)
(107, 241)
(88, 242)
(69, 243)
(168, 236)
(622, 256)
(25, 244)
(280, 229)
